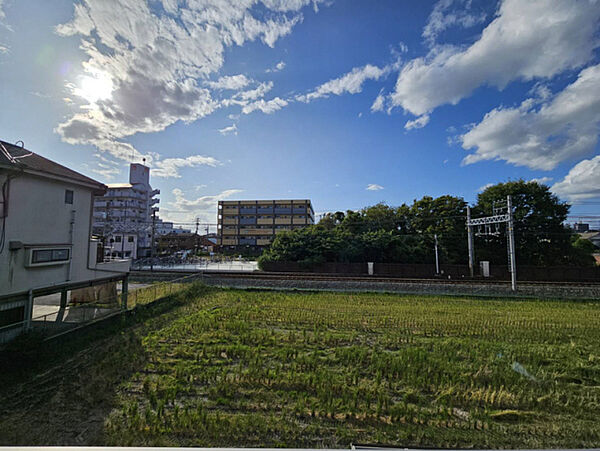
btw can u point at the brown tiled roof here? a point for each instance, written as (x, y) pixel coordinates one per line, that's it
(34, 162)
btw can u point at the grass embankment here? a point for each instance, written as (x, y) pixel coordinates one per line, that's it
(251, 368)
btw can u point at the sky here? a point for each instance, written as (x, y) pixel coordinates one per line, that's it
(347, 103)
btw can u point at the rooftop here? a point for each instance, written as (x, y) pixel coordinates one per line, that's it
(18, 158)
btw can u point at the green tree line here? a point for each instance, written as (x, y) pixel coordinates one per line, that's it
(406, 234)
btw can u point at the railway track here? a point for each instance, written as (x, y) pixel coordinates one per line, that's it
(359, 278)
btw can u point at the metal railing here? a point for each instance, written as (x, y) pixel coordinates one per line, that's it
(72, 316)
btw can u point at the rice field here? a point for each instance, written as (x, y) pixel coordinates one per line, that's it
(297, 369)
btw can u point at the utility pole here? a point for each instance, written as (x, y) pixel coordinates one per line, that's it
(511, 245)
(196, 234)
(152, 241)
(437, 261)
(470, 242)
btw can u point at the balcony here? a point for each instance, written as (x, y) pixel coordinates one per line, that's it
(153, 201)
(154, 192)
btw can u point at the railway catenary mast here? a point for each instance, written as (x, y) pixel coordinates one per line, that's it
(486, 222)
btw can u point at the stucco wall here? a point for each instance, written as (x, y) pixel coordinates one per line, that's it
(38, 214)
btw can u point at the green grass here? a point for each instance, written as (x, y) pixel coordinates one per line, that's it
(212, 367)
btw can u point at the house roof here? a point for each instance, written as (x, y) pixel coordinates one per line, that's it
(19, 158)
(590, 234)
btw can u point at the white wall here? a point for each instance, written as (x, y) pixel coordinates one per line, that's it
(38, 214)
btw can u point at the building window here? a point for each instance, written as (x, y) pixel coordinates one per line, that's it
(118, 239)
(49, 255)
(130, 239)
(68, 196)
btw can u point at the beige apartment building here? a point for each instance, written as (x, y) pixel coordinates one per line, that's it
(244, 223)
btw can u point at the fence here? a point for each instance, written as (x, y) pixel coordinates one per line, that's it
(195, 265)
(57, 319)
(427, 271)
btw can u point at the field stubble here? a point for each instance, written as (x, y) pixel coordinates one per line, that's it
(255, 368)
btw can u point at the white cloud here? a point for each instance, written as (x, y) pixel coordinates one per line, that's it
(441, 18)
(350, 82)
(256, 93)
(419, 122)
(542, 180)
(279, 66)
(157, 61)
(204, 207)
(527, 40)
(233, 82)
(582, 181)
(540, 134)
(169, 167)
(266, 107)
(227, 130)
(107, 173)
(484, 187)
(378, 103)
(373, 187)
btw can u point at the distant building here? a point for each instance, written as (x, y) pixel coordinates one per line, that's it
(594, 237)
(184, 241)
(46, 242)
(126, 210)
(254, 223)
(163, 227)
(581, 227)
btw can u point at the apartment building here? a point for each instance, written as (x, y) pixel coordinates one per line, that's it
(123, 216)
(245, 223)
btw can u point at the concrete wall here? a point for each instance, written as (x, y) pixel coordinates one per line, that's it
(38, 215)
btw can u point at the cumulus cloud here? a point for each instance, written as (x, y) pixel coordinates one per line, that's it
(582, 181)
(156, 59)
(378, 103)
(419, 122)
(542, 180)
(232, 129)
(204, 207)
(484, 187)
(443, 17)
(267, 107)
(541, 133)
(232, 82)
(279, 66)
(526, 40)
(169, 167)
(373, 187)
(351, 82)
(108, 173)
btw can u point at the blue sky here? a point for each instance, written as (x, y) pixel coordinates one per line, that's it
(347, 103)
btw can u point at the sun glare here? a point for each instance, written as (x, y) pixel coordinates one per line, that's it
(96, 87)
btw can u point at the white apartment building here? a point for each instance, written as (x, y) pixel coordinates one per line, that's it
(123, 216)
(46, 242)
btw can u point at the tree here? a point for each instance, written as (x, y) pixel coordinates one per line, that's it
(541, 238)
(445, 217)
